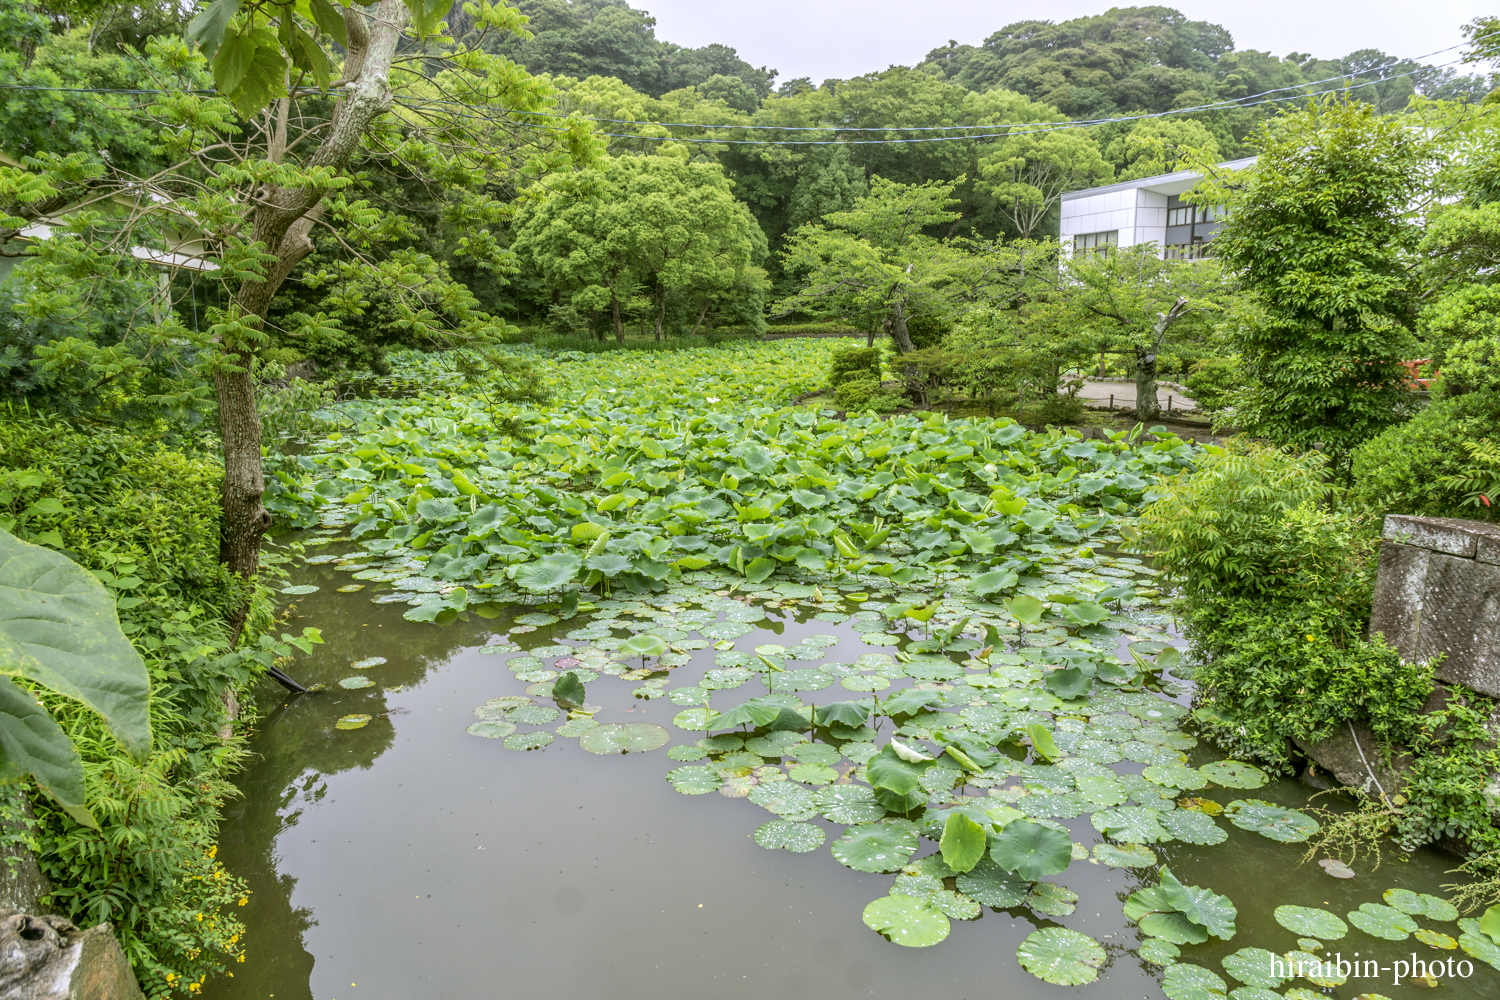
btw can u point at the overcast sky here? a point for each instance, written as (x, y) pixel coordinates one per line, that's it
(844, 38)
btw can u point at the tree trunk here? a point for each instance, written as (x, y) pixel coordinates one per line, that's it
(282, 221)
(614, 305)
(701, 313)
(661, 309)
(1146, 405)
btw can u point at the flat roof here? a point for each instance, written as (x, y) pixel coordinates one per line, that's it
(1180, 181)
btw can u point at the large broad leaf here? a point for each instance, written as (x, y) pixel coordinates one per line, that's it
(875, 847)
(1185, 981)
(207, 29)
(844, 713)
(907, 920)
(849, 804)
(1060, 956)
(644, 644)
(888, 771)
(963, 843)
(548, 573)
(1200, 905)
(1271, 821)
(1310, 921)
(1255, 967)
(1031, 850)
(753, 713)
(1383, 922)
(624, 737)
(989, 583)
(993, 886)
(32, 742)
(907, 701)
(1025, 608)
(58, 628)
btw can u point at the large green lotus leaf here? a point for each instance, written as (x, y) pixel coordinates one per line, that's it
(1192, 827)
(1379, 920)
(696, 720)
(1312, 922)
(1200, 905)
(907, 920)
(1425, 905)
(527, 741)
(1102, 790)
(32, 742)
(1254, 967)
(1130, 825)
(1174, 927)
(1031, 850)
(1436, 939)
(1175, 776)
(993, 886)
(1060, 956)
(1320, 971)
(1477, 944)
(751, 713)
(1185, 981)
(786, 799)
(1234, 774)
(875, 847)
(816, 753)
(698, 779)
(624, 737)
(644, 644)
(788, 836)
(849, 804)
(888, 771)
(492, 729)
(58, 628)
(812, 774)
(533, 715)
(1489, 923)
(551, 572)
(1125, 855)
(963, 843)
(1271, 821)
(1159, 952)
(953, 905)
(1052, 899)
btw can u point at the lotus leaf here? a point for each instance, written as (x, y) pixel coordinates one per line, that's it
(1311, 922)
(581, 725)
(627, 737)
(696, 720)
(1130, 825)
(644, 644)
(963, 843)
(1435, 939)
(492, 729)
(533, 715)
(849, 804)
(1477, 944)
(1379, 920)
(1191, 827)
(991, 885)
(812, 774)
(1031, 850)
(788, 836)
(1060, 956)
(1424, 905)
(907, 921)
(361, 721)
(1318, 971)
(738, 786)
(1234, 774)
(695, 779)
(1271, 821)
(874, 847)
(785, 799)
(1052, 899)
(1185, 981)
(356, 682)
(368, 662)
(1125, 855)
(1201, 906)
(1101, 790)
(528, 741)
(1159, 952)
(1175, 776)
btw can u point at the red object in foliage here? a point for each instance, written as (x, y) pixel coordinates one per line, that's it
(1414, 381)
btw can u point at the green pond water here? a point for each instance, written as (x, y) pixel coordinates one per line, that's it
(409, 858)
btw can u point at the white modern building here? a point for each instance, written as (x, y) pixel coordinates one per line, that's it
(1148, 210)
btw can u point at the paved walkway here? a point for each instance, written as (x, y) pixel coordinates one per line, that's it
(1099, 393)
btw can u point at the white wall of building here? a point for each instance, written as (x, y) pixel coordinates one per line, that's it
(1136, 210)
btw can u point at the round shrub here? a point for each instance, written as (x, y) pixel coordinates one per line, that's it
(1471, 366)
(1397, 471)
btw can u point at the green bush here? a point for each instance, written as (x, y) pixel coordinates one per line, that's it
(863, 392)
(1059, 408)
(1471, 366)
(1397, 471)
(851, 363)
(1212, 382)
(145, 520)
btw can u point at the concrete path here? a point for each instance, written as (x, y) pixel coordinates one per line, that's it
(1099, 393)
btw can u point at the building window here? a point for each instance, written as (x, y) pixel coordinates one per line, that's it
(1196, 250)
(1096, 242)
(1186, 215)
(1180, 216)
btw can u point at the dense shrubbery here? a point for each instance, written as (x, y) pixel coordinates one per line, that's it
(854, 379)
(145, 520)
(1275, 586)
(1399, 470)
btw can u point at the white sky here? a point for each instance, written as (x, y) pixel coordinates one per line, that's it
(843, 38)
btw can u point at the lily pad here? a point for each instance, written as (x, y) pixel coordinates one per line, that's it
(1185, 981)
(491, 729)
(624, 737)
(1159, 952)
(1060, 956)
(1125, 855)
(1274, 822)
(1202, 906)
(907, 920)
(1175, 776)
(1255, 967)
(1130, 825)
(1384, 922)
(1420, 904)
(695, 780)
(361, 721)
(1435, 939)
(1234, 774)
(786, 799)
(849, 804)
(1052, 899)
(579, 726)
(788, 836)
(1478, 945)
(1336, 868)
(356, 682)
(1312, 922)
(300, 589)
(875, 847)
(528, 741)
(993, 886)
(368, 662)
(687, 752)
(1031, 850)
(812, 774)
(1192, 827)
(1323, 971)
(533, 715)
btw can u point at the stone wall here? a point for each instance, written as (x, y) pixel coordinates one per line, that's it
(1438, 591)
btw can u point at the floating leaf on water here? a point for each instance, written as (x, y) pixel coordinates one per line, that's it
(624, 737)
(1031, 850)
(812, 774)
(695, 780)
(1477, 944)
(1234, 774)
(368, 662)
(1159, 952)
(1254, 967)
(533, 715)
(351, 588)
(1274, 822)
(356, 682)
(361, 721)
(696, 720)
(738, 786)
(688, 752)
(874, 847)
(993, 886)
(1435, 939)
(906, 920)
(723, 743)
(1318, 971)
(1309, 944)
(1125, 855)
(1257, 993)
(1052, 899)
(1192, 827)
(1185, 981)
(577, 727)
(1311, 922)
(1175, 776)
(1379, 920)
(1424, 905)
(1130, 825)
(492, 729)
(1202, 906)
(963, 842)
(300, 589)
(786, 799)
(1336, 868)
(528, 741)
(1060, 956)
(1101, 790)
(788, 836)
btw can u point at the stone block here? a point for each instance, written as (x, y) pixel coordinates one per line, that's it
(1440, 534)
(48, 958)
(1460, 618)
(1400, 587)
(1351, 754)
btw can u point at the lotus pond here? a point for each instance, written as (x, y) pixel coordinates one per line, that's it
(663, 689)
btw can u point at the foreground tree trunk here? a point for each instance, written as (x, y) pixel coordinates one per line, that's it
(614, 305)
(281, 222)
(1147, 407)
(661, 309)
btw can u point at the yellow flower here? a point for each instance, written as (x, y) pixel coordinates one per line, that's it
(1311, 639)
(241, 958)
(243, 901)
